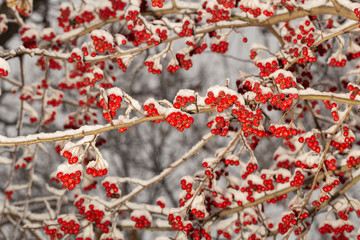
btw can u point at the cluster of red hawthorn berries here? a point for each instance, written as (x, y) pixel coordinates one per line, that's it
(186, 185)
(8, 194)
(196, 48)
(177, 223)
(340, 226)
(53, 64)
(29, 36)
(329, 186)
(256, 12)
(333, 108)
(353, 161)
(69, 180)
(219, 126)
(153, 65)
(220, 46)
(288, 220)
(96, 172)
(337, 61)
(184, 60)
(283, 131)
(220, 99)
(76, 56)
(141, 218)
(342, 140)
(298, 179)
(112, 190)
(267, 66)
(110, 106)
(312, 143)
(217, 12)
(323, 197)
(182, 101)
(283, 101)
(69, 224)
(71, 158)
(157, 3)
(186, 30)
(354, 89)
(151, 107)
(285, 82)
(250, 168)
(52, 232)
(93, 212)
(179, 120)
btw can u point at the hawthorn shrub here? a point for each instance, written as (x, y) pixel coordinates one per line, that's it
(302, 96)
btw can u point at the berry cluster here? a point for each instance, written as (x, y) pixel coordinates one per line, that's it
(219, 126)
(142, 218)
(157, 3)
(152, 108)
(353, 161)
(288, 220)
(184, 60)
(283, 101)
(248, 119)
(179, 120)
(94, 172)
(76, 55)
(112, 191)
(70, 180)
(93, 212)
(217, 97)
(219, 46)
(184, 98)
(250, 168)
(103, 41)
(336, 227)
(71, 158)
(354, 89)
(177, 223)
(285, 82)
(334, 109)
(69, 224)
(217, 12)
(342, 140)
(29, 36)
(298, 179)
(267, 66)
(52, 232)
(153, 65)
(186, 30)
(337, 61)
(110, 106)
(283, 131)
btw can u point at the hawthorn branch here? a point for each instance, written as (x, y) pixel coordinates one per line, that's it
(81, 132)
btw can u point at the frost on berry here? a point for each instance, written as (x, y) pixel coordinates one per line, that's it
(4, 68)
